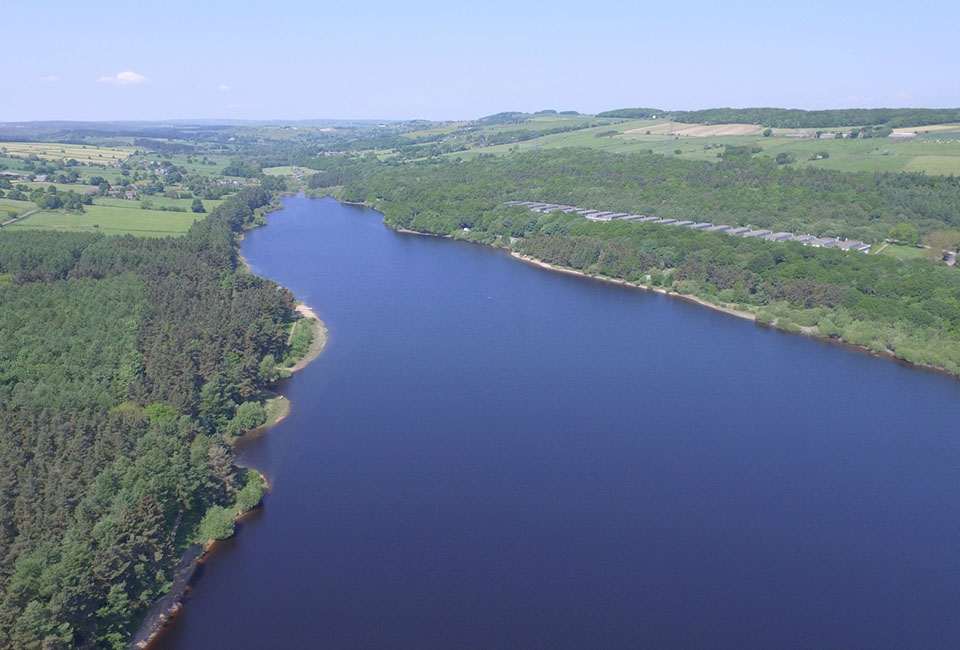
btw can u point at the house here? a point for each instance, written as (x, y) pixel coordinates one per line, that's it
(619, 215)
(649, 220)
(802, 238)
(668, 221)
(755, 233)
(601, 216)
(720, 228)
(686, 223)
(40, 178)
(778, 236)
(902, 135)
(701, 226)
(821, 242)
(849, 245)
(738, 231)
(633, 217)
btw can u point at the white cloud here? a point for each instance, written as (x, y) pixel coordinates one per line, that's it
(124, 78)
(224, 88)
(50, 77)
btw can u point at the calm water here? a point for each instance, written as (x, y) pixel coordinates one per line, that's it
(489, 455)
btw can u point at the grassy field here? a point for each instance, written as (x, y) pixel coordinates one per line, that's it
(79, 188)
(156, 201)
(19, 207)
(286, 170)
(903, 252)
(113, 220)
(86, 153)
(935, 152)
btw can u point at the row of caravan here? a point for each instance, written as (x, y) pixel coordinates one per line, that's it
(598, 215)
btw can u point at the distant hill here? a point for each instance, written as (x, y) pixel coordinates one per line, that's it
(795, 118)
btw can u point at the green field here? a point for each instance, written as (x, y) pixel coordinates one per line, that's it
(19, 207)
(113, 220)
(286, 170)
(936, 151)
(903, 252)
(86, 153)
(157, 200)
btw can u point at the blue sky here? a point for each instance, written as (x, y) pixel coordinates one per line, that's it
(295, 59)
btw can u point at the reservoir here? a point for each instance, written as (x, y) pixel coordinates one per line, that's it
(489, 455)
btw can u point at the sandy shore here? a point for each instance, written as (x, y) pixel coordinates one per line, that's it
(320, 337)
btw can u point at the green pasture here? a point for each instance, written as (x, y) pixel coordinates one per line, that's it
(113, 220)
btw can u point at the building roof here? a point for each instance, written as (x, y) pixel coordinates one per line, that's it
(848, 244)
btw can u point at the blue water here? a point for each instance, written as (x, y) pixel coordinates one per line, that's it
(490, 455)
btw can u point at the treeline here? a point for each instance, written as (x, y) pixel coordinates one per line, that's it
(911, 309)
(794, 118)
(737, 190)
(124, 367)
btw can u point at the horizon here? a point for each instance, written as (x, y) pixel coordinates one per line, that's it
(377, 61)
(270, 121)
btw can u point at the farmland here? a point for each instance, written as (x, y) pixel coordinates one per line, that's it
(935, 150)
(88, 154)
(112, 220)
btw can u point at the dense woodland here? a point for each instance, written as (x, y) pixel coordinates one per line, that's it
(124, 366)
(909, 308)
(738, 190)
(795, 118)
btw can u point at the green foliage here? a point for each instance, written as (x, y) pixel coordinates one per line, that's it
(267, 369)
(300, 340)
(197, 206)
(160, 413)
(249, 415)
(243, 167)
(906, 233)
(107, 341)
(252, 492)
(217, 523)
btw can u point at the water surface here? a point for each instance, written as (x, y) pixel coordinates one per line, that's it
(489, 455)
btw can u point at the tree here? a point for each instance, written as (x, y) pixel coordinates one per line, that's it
(906, 233)
(197, 206)
(767, 133)
(940, 241)
(217, 523)
(267, 369)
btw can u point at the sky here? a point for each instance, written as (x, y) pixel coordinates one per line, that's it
(104, 60)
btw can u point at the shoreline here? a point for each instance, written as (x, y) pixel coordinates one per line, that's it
(165, 609)
(803, 331)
